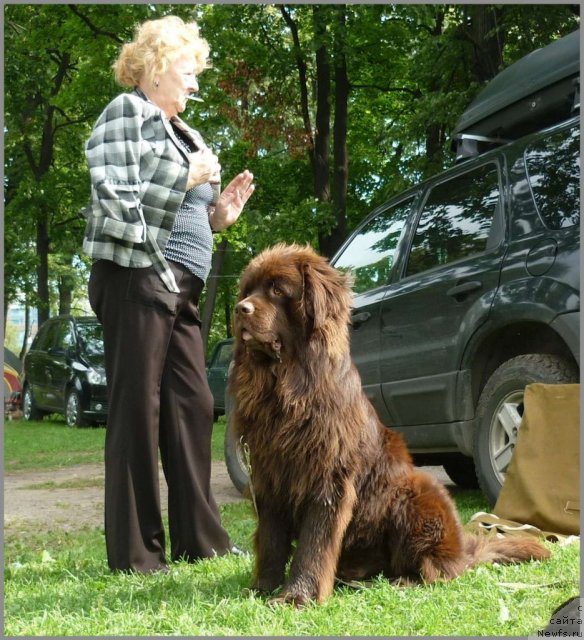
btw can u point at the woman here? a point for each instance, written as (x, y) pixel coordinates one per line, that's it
(155, 205)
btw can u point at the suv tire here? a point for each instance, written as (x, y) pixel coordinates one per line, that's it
(500, 409)
(234, 458)
(73, 412)
(29, 408)
(461, 470)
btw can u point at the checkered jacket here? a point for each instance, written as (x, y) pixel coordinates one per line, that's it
(139, 174)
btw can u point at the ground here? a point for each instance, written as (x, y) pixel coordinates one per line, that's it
(72, 498)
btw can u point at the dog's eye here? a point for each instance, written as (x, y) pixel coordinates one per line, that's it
(277, 291)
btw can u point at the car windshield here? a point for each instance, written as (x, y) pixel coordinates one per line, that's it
(223, 357)
(91, 338)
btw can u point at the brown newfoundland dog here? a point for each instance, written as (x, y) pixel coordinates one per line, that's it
(325, 472)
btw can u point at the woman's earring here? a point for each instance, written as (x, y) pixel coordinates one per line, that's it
(156, 83)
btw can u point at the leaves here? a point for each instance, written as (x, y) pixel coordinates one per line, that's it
(411, 71)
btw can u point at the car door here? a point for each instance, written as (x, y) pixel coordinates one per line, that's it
(35, 363)
(57, 363)
(448, 281)
(368, 258)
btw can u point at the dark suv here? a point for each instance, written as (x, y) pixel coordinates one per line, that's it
(467, 289)
(64, 372)
(467, 286)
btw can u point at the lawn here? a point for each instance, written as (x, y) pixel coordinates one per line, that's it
(51, 444)
(57, 582)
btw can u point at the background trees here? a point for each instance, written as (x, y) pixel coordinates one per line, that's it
(334, 108)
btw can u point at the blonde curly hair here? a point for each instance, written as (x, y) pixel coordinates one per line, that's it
(157, 43)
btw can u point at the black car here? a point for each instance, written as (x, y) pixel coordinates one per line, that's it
(64, 372)
(467, 286)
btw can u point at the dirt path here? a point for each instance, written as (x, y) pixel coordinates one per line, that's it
(72, 498)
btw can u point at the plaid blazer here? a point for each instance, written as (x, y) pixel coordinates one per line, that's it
(139, 174)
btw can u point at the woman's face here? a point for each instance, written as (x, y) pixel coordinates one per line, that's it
(175, 84)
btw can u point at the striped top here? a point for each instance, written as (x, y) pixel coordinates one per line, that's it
(191, 239)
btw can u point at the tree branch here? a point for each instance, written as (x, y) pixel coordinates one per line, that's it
(62, 223)
(93, 28)
(68, 120)
(416, 93)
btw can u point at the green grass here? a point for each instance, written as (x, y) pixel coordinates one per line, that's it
(57, 584)
(51, 444)
(80, 483)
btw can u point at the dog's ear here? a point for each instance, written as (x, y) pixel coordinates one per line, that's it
(326, 293)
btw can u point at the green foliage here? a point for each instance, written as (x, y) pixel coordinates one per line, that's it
(412, 70)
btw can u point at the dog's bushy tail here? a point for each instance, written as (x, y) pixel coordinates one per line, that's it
(482, 550)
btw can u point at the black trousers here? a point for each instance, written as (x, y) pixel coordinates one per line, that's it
(159, 398)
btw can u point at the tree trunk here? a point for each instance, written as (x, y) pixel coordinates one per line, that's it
(65, 295)
(488, 40)
(323, 108)
(433, 130)
(302, 81)
(340, 156)
(212, 288)
(434, 142)
(40, 166)
(323, 113)
(23, 348)
(42, 270)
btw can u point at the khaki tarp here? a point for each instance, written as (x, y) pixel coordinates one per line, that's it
(542, 486)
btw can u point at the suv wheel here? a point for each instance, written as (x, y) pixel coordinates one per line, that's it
(234, 459)
(73, 413)
(500, 409)
(461, 470)
(29, 408)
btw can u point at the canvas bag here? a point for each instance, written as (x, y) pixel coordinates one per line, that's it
(542, 486)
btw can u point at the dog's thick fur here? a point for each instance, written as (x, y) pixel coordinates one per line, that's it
(325, 472)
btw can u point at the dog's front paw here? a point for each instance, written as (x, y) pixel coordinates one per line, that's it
(265, 587)
(296, 598)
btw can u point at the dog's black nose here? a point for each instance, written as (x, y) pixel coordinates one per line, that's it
(245, 307)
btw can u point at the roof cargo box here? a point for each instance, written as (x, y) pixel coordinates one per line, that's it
(537, 91)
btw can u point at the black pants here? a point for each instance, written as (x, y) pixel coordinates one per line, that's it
(158, 398)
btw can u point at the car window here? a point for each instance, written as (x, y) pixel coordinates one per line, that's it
(456, 220)
(369, 256)
(90, 338)
(553, 168)
(63, 335)
(51, 340)
(42, 338)
(223, 357)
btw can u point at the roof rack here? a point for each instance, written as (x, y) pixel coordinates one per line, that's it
(537, 91)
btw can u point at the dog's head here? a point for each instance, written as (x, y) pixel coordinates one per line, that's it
(290, 296)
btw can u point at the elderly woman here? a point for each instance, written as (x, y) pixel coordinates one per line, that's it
(155, 204)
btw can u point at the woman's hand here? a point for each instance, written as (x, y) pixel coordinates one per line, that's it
(231, 201)
(204, 165)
